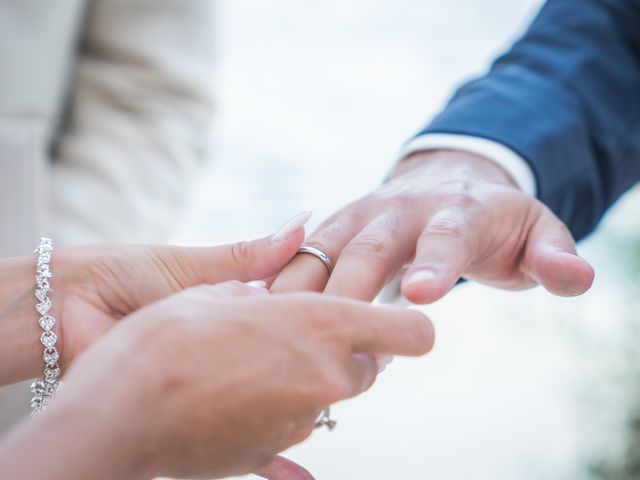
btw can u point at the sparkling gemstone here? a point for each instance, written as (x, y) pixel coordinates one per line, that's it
(44, 257)
(51, 372)
(51, 388)
(46, 245)
(43, 270)
(37, 386)
(51, 358)
(48, 339)
(41, 293)
(47, 322)
(44, 306)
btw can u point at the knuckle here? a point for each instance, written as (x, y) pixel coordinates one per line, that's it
(463, 200)
(241, 253)
(333, 229)
(445, 227)
(358, 212)
(457, 193)
(368, 246)
(319, 242)
(403, 201)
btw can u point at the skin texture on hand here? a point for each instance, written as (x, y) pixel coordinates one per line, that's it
(444, 215)
(96, 286)
(211, 382)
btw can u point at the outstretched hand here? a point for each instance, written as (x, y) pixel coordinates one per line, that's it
(443, 215)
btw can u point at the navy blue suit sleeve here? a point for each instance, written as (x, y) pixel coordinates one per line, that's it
(566, 97)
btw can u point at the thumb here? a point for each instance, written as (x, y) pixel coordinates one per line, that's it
(248, 260)
(552, 261)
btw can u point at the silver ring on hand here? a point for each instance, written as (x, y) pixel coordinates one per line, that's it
(325, 420)
(318, 254)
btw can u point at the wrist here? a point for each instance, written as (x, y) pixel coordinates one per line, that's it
(75, 438)
(447, 165)
(21, 357)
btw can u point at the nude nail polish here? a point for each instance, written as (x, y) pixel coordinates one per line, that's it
(384, 362)
(257, 284)
(420, 276)
(290, 226)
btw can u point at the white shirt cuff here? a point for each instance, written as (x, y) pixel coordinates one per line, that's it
(513, 163)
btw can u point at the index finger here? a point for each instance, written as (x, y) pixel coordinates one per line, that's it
(306, 273)
(392, 331)
(373, 256)
(375, 329)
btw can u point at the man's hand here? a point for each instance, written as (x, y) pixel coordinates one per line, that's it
(447, 214)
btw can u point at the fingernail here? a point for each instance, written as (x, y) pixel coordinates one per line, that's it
(291, 226)
(420, 276)
(257, 284)
(383, 362)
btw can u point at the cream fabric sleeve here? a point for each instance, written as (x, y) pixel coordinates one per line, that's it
(138, 123)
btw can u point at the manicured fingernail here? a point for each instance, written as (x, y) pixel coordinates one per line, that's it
(420, 276)
(383, 362)
(291, 226)
(257, 284)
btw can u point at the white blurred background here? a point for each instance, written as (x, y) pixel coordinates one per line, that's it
(315, 99)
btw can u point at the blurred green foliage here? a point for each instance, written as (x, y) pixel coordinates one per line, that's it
(627, 465)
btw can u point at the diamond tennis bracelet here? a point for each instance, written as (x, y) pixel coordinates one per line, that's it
(44, 389)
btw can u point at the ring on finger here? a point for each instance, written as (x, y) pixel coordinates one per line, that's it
(324, 258)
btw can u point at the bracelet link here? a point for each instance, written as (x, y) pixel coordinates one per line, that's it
(44, 389)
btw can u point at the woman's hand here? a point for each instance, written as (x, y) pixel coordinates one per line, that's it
(95, 286)
(215, 381)
(101, 284)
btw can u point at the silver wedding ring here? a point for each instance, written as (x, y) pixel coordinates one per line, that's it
(325, 420)
(318, 254)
